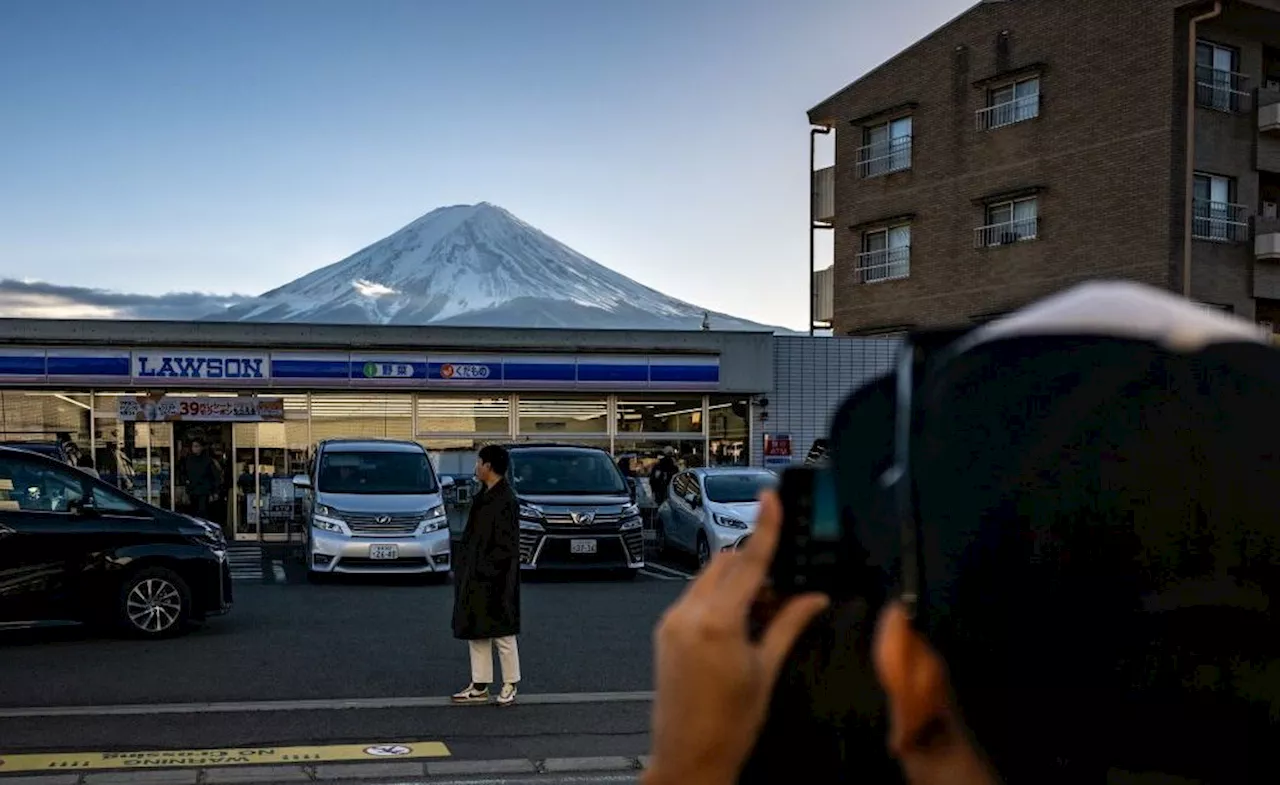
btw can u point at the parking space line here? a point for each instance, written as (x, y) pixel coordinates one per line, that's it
(676, 574)
(322, 704)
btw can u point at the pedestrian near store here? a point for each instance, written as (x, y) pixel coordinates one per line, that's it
(662, 474)
(203, 476)
(486, 602)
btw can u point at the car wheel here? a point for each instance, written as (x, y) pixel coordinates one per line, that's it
(704, 551)
(154, 603)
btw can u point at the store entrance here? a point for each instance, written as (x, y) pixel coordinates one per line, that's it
(201, 491)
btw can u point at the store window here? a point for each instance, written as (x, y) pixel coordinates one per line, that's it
(729, 431)
(55, 421)
(448, 414)
(367, 416)
(554, 418)
(667, 414)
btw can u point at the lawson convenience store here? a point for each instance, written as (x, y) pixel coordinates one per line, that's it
(133, 395)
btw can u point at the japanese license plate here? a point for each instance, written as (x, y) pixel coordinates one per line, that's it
(582, 546)
(384, 552)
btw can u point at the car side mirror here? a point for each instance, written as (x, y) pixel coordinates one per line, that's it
(631, 489)
(85, 506)
(447, 483)
(301, 481)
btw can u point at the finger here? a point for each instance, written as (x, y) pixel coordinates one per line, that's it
(786, 627)
(747, 576)
(708, 581)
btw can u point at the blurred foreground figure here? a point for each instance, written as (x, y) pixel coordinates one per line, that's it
(1091, 544)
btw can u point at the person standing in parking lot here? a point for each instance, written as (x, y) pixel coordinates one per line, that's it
(662, 474)
(486, 603)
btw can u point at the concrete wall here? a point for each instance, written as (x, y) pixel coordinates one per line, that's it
(812, 377)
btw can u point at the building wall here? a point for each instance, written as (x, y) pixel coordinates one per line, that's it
(1102, 149)
(812, 377)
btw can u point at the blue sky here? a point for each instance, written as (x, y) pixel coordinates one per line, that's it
(232, 146)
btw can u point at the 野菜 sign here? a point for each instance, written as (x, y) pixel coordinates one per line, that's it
(168, 408)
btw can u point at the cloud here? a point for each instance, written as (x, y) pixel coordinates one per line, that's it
(40, 300)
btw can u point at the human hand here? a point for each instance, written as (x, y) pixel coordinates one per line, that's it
(713, 682)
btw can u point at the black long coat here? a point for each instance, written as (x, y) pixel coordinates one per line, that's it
(486, 569)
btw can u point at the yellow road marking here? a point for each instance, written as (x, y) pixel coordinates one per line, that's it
(228, 756)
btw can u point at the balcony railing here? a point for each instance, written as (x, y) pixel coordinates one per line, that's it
(824, 195)
(1219, 221)
(1223, 91)
(1269, 111)
(1009, 112)
(886, 264)
(1006, 233)
(880, 158)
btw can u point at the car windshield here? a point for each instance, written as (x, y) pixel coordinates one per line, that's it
(737, 487)
(555, 472)
(377, 472)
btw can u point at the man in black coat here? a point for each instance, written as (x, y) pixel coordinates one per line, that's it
(486, 579)
(204, 477)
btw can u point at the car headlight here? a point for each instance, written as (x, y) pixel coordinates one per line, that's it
(434, 520)
(727, 522)
(329, 524)
(531, 518)
(630, 518)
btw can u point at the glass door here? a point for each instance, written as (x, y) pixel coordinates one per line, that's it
(149, 449)
(266, 458)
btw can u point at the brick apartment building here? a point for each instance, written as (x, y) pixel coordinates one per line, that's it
(1031, 144)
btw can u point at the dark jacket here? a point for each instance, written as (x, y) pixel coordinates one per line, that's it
(486, 569)
(204, 476)
(660, 478)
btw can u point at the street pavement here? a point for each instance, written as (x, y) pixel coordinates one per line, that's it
(351, 661)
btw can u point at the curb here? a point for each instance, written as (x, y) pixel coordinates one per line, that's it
(398, 771)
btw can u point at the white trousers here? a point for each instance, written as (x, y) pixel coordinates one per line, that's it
(482, 660)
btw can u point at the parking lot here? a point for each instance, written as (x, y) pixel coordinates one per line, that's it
(349, 660)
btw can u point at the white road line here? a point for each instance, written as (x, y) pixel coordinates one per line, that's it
(126, 710)
(669, 571)
(658, 575)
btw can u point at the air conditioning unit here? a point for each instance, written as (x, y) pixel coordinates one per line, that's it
(1268, 209)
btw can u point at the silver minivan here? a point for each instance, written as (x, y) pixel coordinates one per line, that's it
(374, 506)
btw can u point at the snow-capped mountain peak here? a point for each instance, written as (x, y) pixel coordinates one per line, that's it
(477, 265)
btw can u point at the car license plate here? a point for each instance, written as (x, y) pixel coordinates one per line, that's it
(582, 546)
(384, 552)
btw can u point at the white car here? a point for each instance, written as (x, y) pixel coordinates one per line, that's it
(710, 510)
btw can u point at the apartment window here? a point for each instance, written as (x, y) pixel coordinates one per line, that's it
(886, 254)
(1219, 85)
(885, 148)
(1215, 215)
(1007, 222)
(1010, 103)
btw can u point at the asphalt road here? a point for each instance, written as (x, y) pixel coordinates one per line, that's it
(353, 639)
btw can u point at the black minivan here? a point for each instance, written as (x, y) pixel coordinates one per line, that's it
(74, 548)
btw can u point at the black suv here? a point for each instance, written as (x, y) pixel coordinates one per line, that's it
(75, 548)
(577, 511)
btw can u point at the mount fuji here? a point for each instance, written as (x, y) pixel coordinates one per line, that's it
(475, 265)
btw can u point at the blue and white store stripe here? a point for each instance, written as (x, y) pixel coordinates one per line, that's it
(248, 369)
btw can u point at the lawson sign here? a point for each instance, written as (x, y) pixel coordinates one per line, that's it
(201, 366)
